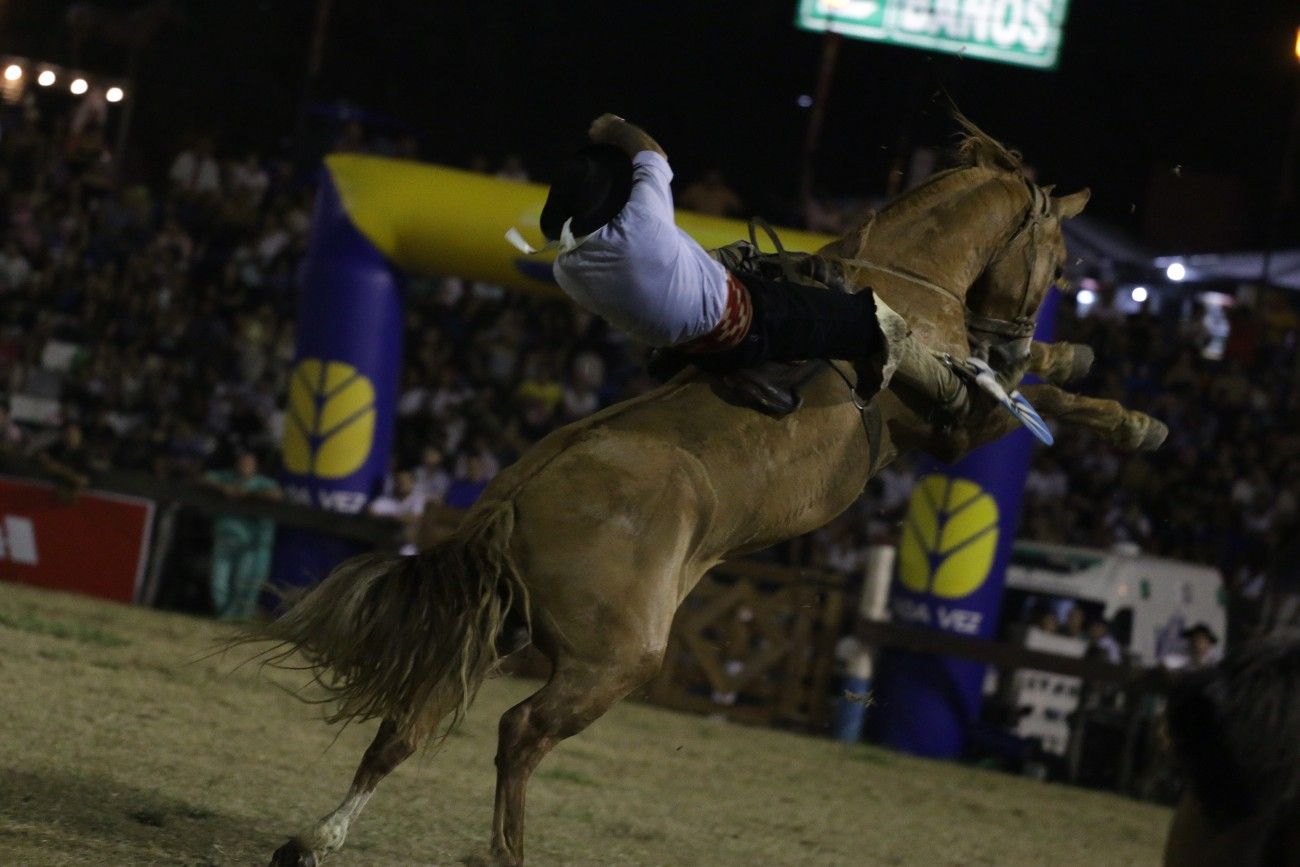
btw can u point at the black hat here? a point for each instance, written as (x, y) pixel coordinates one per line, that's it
(590, 188)
(1203, 629)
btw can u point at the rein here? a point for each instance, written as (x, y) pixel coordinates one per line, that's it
(1006, 342)
(1016, 330)
(1022, 324)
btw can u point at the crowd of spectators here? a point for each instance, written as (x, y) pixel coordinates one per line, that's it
(151, 328)
(1222, 490)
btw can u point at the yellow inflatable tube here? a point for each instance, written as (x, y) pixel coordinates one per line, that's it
(429, 219)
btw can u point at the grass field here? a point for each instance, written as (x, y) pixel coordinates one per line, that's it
(117, 748)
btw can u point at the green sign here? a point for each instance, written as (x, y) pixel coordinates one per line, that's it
(1022, 32)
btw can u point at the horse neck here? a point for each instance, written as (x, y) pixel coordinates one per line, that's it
(948, 229)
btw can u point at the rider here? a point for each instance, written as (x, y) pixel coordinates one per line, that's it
(623, 257)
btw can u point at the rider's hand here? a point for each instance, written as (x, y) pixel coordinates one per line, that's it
(631, 139)
(604, 128)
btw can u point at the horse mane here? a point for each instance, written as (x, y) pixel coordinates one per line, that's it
(975, 149)
(978, 148)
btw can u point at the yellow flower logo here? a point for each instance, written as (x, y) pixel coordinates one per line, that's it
(330, 424)
(949, 538)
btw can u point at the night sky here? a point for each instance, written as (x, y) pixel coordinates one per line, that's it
(1142, 86)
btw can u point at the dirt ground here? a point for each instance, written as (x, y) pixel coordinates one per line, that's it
(119, 745)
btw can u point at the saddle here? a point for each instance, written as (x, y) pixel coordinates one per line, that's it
(771, 388)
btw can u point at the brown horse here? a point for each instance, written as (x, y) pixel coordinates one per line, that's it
(597, 534)
(1235, 734)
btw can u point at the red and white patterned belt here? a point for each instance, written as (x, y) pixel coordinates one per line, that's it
(731, 328)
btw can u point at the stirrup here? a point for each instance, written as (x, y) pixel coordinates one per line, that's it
(978, 371)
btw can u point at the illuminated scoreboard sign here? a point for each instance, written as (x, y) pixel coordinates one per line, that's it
(1022, 32)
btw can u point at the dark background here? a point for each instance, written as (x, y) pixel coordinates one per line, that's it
(1174, 113)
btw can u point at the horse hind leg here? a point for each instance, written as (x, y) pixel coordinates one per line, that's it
(574, 698)
(392, 746)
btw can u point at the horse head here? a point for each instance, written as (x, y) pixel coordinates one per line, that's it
(967, 255)
(1003, 300)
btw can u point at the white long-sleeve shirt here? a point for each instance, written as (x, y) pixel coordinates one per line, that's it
(641, 272)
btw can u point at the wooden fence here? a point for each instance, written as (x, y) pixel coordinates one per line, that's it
(755, 643)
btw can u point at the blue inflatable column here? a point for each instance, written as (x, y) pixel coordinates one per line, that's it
(957, 537)
(344, 387)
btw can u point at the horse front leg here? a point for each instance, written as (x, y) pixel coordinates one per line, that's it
(1123, 428)
(1060, 363)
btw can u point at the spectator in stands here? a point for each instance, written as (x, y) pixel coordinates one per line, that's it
(68, 460)
(1045, 618)
(580, 395)
(1046, 481)
(839, 549)
(711, 195)
(15, 269)
(430, 477)
(1075, 622)
(466, 488)
(513, 169)
(352, 139)
(248, 181)
(1102, 644)
(11, 435)
(1200, 649)
(405, 504)
(241, 546)
(194, 172)
(1202, 646)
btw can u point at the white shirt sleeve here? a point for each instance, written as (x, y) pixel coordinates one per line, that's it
(651, 190)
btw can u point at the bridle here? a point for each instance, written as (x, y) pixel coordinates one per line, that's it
(1003, 342)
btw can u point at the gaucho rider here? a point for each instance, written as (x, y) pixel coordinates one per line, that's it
(623, 257)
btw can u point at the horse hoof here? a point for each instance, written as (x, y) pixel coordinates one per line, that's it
(1154, 437)
(293, 854)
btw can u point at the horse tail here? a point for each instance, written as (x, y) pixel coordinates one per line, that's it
(386, 636)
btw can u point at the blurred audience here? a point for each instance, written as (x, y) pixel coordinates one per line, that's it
(711, 195)
(156, 326)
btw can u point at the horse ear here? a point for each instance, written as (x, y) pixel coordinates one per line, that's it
(1069, 206)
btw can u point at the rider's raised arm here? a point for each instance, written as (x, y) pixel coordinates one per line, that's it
(651, 175)
(630, 138)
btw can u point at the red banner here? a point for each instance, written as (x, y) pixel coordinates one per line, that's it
(97, 544)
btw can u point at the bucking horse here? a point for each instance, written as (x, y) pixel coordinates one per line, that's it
(594, 537)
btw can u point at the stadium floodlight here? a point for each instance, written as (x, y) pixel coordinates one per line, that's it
(13, 72)
(79, 86)
(114, 94)
(1176, 272)
(1139, 294)
(1086, 297)
(46, 78)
